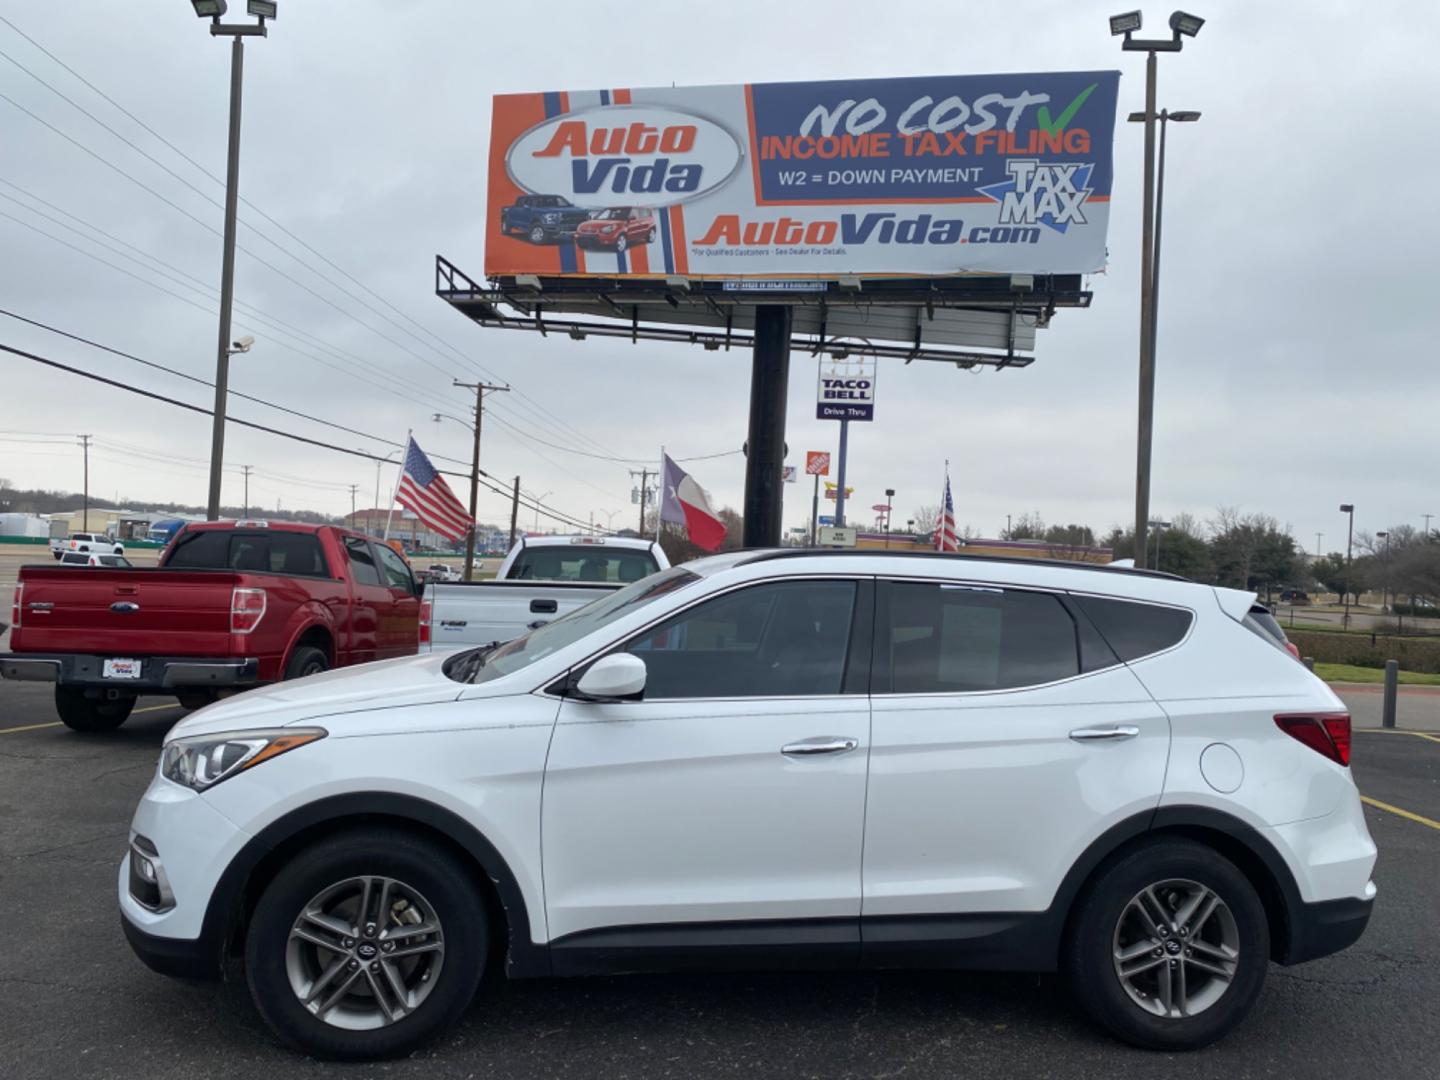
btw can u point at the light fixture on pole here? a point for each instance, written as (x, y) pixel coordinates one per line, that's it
(538, 499)
(379, 464)
(1348, 508)
(1182, 25)
(214, 10)
(1383, 584)
(1159, 527)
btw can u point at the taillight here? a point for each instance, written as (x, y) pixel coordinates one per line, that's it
(1292, 649)
(247, 608)
(15, 611)
(1325, 733)
(424, 622)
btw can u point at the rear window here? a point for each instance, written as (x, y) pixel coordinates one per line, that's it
(583, 563)
(1135, 629)
(251, 551)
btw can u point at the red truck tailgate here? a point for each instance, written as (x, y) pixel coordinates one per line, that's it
(125, 612)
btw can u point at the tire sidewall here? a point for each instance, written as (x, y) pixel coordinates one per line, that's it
(305, 656)
(439, 877)
(79, 713)
(1089, 950)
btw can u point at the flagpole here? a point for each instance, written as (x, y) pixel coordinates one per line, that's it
(660, 496)
(409, 434)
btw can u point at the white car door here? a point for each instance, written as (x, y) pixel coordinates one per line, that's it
(1006, 737)
(726, 808)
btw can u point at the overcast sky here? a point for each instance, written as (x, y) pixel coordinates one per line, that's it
(1297, 332)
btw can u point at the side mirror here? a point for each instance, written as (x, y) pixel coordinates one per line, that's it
(617, 677)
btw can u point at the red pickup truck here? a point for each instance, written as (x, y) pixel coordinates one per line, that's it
(233, 604)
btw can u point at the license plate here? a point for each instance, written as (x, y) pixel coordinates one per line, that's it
(120, 669)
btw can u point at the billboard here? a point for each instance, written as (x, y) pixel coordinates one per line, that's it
(846, 389)
(916, 176)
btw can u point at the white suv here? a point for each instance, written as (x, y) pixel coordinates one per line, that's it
(773, 758)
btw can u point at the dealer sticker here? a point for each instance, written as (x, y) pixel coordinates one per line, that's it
(120, 669)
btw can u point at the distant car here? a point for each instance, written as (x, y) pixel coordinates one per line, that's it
(443, 572)
(85, 543)
(617, 228)
(1298, 597)
(542, 219)
(75, 558)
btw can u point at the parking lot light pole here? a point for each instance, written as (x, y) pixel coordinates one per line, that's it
(237, 32)
(1182, 25)
(1348, 508)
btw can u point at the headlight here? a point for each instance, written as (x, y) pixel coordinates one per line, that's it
(204, 760)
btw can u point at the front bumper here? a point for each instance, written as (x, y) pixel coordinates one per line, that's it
(595, 240)
(157, 673)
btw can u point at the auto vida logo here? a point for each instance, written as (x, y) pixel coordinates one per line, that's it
(624, 155)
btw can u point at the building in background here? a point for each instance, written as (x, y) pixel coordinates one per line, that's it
(404, 526)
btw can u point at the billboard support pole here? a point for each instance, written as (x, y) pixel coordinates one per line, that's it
(840, 474)
(769, 382)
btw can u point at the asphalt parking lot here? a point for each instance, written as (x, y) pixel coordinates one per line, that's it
(77, 1003)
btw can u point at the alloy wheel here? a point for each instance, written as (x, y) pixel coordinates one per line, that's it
(1176, 948)
(365, 953)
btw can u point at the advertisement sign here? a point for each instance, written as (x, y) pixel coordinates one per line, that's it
(817, 463)
(827, 519)
(846, 389)
(921, 176)
(836, 536)
(787, 474)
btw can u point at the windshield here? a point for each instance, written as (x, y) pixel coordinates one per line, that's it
(568, 629)
(614, 214)
(582, 562)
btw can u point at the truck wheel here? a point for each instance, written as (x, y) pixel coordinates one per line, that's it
(90, 715)
(306, 660)
(537, 234)
(190, 700)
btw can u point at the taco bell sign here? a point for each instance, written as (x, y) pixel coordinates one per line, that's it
(846, 390)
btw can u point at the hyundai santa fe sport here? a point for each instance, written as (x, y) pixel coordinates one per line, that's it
(797, 759)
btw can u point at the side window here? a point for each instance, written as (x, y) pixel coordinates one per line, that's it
(297, 553)
(783, 639)
(1135, 629)
(397, 574)
(362, 562)
(949, 638)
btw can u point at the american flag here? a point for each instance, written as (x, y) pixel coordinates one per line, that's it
(946, 538)
(423, 491)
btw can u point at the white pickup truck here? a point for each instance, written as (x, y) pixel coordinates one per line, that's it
(541, 579)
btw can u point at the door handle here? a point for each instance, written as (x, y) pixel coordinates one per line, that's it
(823, 744)
(544, 607)
(1093, 734)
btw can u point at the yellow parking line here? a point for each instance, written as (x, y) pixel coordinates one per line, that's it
(155, 708)
(1398, 731)
(28, 727)
(1396, 810)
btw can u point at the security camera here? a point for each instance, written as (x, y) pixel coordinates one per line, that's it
(243, 344)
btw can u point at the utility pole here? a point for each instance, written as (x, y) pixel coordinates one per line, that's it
(1318, 538)
(85, 511)
(247, 470)
(480, 389)
(353, 488)
(1427, 518)
(644, 475)
(514, 510)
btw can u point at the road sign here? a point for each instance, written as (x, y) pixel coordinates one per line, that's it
(827, 519)
(837, 536)
(817, 463)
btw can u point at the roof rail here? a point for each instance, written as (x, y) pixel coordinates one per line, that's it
(770, 554)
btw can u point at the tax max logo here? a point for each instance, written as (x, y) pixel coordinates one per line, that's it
(1051, 193)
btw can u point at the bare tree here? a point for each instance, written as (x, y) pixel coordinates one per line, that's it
(927, 519)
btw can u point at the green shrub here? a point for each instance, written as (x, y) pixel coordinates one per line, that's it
(1414, 654)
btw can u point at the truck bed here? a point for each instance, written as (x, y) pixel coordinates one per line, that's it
(463, 614)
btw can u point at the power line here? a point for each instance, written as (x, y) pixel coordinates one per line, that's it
(485, 477)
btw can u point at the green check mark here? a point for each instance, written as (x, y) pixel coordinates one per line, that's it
(1055, 127)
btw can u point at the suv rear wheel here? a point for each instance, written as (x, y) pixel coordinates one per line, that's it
(366, 945)
(91, 714)
(1169, 946)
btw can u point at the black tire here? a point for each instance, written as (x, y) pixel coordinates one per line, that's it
(190, 700)
(1089, 953)
(90, 715)
(383, 852)
(306, 660)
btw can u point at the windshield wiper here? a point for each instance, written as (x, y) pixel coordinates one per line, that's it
(477, 660)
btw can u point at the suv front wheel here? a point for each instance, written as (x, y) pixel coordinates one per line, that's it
(366, 945)
(1169, 946)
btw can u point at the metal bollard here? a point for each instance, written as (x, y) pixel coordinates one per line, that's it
(1309, 662)
(1392, 691)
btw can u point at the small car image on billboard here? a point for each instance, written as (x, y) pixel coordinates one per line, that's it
(542, 219)
(617, 228)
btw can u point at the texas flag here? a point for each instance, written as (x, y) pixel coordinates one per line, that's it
(684, 502)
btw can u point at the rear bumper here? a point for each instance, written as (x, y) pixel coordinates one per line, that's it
(1326, 927)
(157, 673)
